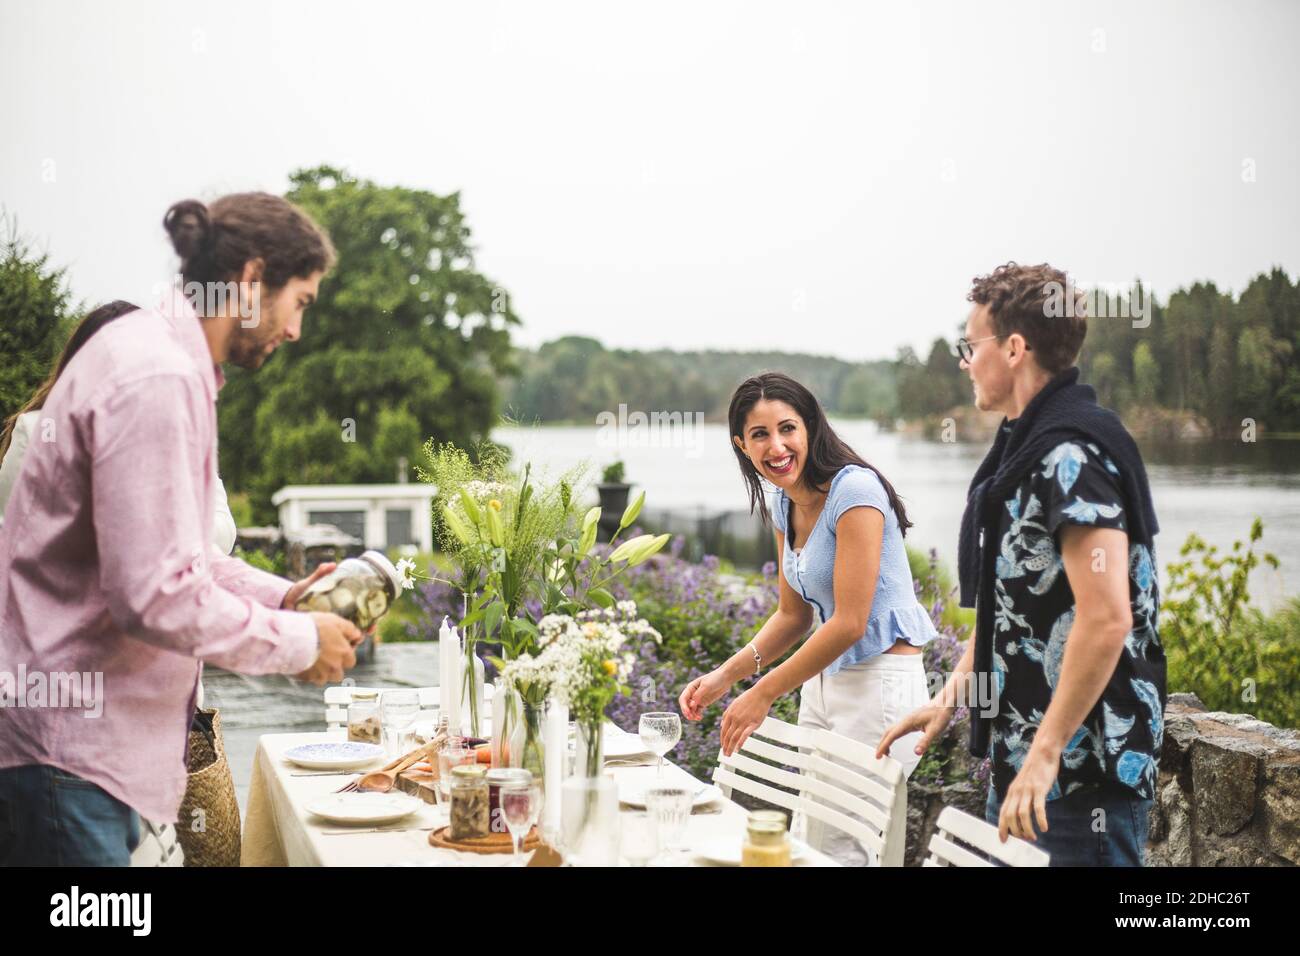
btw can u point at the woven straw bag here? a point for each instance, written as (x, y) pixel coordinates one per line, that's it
(209, 820)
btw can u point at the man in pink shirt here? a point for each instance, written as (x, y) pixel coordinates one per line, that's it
(110, 592)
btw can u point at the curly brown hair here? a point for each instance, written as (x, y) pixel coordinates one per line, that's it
(1042, 304)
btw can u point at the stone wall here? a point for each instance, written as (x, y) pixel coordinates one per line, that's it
(1228, 793)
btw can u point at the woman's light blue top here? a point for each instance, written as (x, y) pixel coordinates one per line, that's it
(895, 611)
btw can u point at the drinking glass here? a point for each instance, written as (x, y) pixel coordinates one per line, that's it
(398, 710)
(639, 837)
(670, 806)
(447, 758)
(521, 805)
(660, 733)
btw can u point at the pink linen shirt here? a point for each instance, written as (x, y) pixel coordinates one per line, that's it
(107, 568)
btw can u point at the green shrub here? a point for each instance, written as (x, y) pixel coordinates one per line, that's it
(1229, 654)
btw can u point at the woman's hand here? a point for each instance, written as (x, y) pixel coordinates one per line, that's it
(742, 718)
(931, 719)
(701, 692)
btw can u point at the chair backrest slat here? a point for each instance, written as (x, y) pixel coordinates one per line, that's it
(812, 763)
(953, 854)
(809, 784)
(954, 824)
(841, 783)
(794, 802)
(338, 697)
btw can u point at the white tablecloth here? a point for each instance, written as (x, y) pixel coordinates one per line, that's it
(278, 831)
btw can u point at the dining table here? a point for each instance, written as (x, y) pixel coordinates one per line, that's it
(279, 830)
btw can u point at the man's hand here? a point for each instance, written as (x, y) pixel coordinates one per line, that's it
(336, 639)
(1026, 799)
(932, 718)
(296, 591)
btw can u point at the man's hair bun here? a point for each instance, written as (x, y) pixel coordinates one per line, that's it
(189, 226)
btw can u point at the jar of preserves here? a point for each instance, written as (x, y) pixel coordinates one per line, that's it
(360, 589)
(469, 802)
(766, 841)
(364, 723)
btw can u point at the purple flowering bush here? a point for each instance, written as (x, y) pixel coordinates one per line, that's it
(705, 615)
(947, 758)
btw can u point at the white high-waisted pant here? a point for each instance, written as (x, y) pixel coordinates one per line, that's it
(861, 702)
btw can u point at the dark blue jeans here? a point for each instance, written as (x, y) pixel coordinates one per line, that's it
(1078, 835)
(49, 817)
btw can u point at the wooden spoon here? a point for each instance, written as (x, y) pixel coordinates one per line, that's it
(382, 781)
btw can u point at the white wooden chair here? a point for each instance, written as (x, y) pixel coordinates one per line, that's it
(856, 793)
(954, 825)
(338, 698)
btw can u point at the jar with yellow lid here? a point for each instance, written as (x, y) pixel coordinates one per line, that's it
(766, 841)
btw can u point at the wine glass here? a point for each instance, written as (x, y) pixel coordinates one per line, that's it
(660, 733)
(397, 711)
(521, 805)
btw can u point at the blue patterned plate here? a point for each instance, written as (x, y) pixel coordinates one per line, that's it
(334, 756)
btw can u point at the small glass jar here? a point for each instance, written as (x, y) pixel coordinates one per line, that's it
(469, 802)
(364, 724)
(498, 777)
(766, 841)
(359, 589)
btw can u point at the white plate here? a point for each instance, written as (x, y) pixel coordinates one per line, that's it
(624, 745)
(725, 850)
(370, 808)
(338, 755)
(633, 794)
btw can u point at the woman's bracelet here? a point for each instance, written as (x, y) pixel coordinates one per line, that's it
(758, 661)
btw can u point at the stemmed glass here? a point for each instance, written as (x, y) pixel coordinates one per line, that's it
(397, 711)
(660, 733)
(521, 805)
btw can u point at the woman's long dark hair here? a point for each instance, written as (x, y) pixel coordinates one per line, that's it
(87, 327)
(827, 452)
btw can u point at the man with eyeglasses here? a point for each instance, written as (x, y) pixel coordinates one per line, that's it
(1057, 557)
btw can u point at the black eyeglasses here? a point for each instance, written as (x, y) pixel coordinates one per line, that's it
(965, 350)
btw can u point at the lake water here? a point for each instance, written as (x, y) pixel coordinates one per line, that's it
(1212, 488)
(1215, 489)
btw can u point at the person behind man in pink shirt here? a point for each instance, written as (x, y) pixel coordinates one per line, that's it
(111, 593)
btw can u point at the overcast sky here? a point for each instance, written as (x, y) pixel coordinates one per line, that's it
(803, 176)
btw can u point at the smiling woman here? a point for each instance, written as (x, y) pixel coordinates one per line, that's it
(839, 533)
